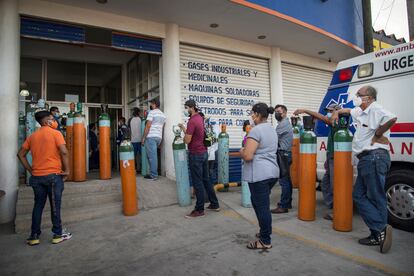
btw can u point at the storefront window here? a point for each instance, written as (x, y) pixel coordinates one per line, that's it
(65, 81)
(104, 83)
(143, 69)
(31, 77)
(143, 79)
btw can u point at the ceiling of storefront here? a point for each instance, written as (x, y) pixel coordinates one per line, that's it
(234, 21)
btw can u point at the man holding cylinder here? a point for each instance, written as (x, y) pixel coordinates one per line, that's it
(327, 180)
(371, 147)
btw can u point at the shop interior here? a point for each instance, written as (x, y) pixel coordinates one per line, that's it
(62, 73)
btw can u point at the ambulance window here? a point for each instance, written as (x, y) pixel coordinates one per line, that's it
(365, 70)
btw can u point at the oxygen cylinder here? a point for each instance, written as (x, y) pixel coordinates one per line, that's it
(343, 177)
(79, 146)
(245, 198)
(223, 157)
(307, 178)
(294, 167)
(181, 169)
(128, 178)
(69, 139)
(22, 137)
(104, 144)
(144, 157)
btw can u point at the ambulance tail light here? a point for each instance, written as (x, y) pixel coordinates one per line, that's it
(365, 70)
(345, 74)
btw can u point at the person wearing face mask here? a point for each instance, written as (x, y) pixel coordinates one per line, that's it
(56, 114)
(260, 170)
(327, 180)
(284, 133)
(49, 169)
(198, 160)
(123, 131)
(152, 137)
(93, 147)
(371, 146)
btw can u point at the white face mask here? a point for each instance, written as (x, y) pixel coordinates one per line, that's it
(329, 114)
(357, 101)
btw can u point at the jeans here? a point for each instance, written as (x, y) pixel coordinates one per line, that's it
(286, 184)
(201, 181)
(151, 145)
(212, 167)
(260, 192)
(137, 148)
(369, 194)
(327, 180)
(43, 187)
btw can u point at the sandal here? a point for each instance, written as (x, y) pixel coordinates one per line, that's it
(258, 244)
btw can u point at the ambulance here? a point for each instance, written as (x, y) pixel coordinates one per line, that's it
(391, 72)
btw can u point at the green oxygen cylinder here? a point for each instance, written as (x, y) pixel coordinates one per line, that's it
(181, 169)
(223, 157)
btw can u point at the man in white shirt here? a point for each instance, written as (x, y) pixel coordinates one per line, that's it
(152, 137)
(136, 134)
(371, 147)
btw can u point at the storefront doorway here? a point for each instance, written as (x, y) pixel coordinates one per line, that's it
(93, 113)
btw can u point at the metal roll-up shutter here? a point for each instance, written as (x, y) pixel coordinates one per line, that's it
(225, 85)
(304, 87)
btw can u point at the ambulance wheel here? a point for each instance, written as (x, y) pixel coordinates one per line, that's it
(399, 189)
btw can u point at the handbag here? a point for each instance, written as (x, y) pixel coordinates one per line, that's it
(283, 162)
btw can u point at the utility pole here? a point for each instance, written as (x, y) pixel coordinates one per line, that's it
(366, 15)
(410, 14)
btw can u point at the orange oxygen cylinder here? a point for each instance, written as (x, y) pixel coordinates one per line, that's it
(79, 146)
(104, 145)
(343, 177)
(307, 176)
(128, 178)
(69, 139)
(294, 167)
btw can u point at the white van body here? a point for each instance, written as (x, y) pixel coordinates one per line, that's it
(393, 77)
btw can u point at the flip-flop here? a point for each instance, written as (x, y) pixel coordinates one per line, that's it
(255, 245)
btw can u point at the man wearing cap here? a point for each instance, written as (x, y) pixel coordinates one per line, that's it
(327, 180)
(198, 157)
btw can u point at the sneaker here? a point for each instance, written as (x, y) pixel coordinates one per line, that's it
(33, 240)
(211, 208)
(148, 176)
(369, 241)
(385, 239)
(195, 214)
(61, 238)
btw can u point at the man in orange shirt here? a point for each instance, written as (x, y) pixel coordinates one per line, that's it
(49, 153)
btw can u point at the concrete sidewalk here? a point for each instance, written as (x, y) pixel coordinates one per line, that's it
(320, 234)
(160, 241)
